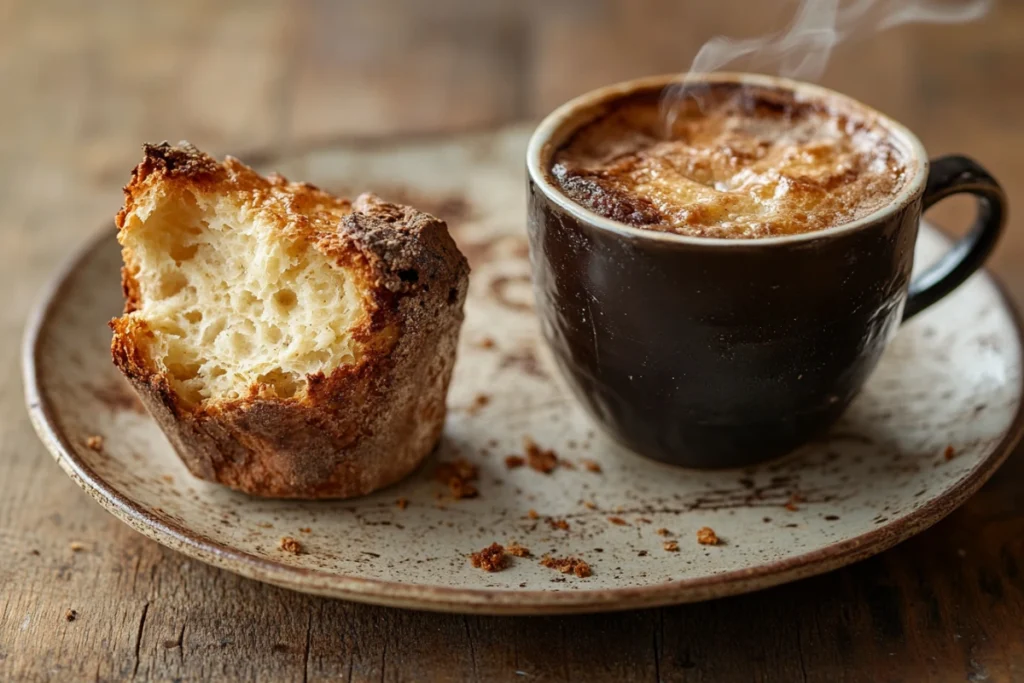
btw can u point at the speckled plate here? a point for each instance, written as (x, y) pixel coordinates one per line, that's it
(939, 415)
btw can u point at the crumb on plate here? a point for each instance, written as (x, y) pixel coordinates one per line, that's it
(290, 545)
(540, 459)
(490, 559)
(567, 565)
(515, 549)
(707, 536)
(514, 461)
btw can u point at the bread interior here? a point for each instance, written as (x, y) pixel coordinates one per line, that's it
(234, 302)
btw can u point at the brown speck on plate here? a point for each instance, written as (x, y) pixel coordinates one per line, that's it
(907, 386)
(671, 546)
(479, 402)
(70, 615)
(94, 442)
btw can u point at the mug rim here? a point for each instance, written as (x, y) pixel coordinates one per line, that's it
(539, 151)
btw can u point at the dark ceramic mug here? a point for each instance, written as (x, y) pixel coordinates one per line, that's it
(722, 352)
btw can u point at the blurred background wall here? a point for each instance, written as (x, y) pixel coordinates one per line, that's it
(85, 82)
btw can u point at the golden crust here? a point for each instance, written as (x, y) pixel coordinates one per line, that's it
(358, 428)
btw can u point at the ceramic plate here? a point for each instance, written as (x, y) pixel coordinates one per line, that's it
(935, 420)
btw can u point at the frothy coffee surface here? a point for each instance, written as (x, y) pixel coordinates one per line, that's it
(737, 163)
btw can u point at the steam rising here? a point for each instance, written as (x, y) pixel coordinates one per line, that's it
(803, 50)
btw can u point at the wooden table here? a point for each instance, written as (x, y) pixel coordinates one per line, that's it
(84, 83)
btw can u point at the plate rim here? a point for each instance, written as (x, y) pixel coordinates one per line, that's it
(476, 600)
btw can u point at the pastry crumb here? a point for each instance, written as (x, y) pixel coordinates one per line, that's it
(567, 565)
(460, 488)
(94, 443)
(590, 505)
(402, 503)
(479, 402)
(532, 514)
(486, 343)
(558, 524)
(671, 546)
(643, 520)
(76, 547)
(591, 466)
(515, 549)
(290, 545)
(540, 459)
(70, 615)
(305, 530)
(707, 536)
(791, 504)
(458, 474)
(618, 521)
(461, 468)
(514, 461)
(663, 532)
(490, 559)
(949, 453)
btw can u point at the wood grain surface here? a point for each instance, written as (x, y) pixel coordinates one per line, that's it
(85, 83)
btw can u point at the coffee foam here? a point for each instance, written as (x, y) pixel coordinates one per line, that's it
(738, 162)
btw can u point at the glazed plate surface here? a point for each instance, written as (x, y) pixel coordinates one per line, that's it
(939, 415)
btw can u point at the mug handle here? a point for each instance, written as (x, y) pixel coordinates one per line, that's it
(947, 176)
